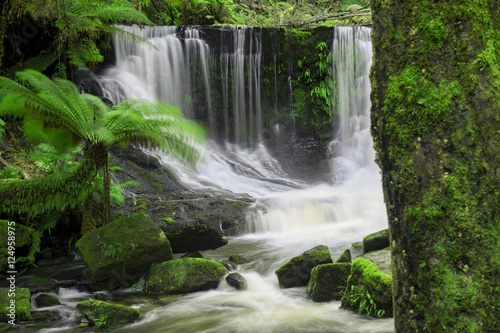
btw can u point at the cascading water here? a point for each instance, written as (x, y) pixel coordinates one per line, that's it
(351, 150)
(289, 216)
(244, 90)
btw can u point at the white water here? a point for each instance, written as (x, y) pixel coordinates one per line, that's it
(289, 216)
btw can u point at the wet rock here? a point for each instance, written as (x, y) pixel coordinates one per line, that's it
(237, 259)
(328, 282)
(377, 241)
(297, 271)
(237, 281)
(47, 316)
(44, 300)
(182, 276)
(345, 257)
(118, 254)
(106, 315)
(229, 265)
(41, 282)
(369, 290)
(196, 238)
(195, 254)
(381, 258)
(20, 311)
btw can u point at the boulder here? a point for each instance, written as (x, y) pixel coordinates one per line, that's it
(377, 241)
(119, 253)
(345, 257)
(27, 242)
(297, 271)
(237, 259)
(20, 311)
(46, 316)
(196, 238)
(44, 300)
(37, 281)
(369, 290)
(106, 315)
(381, 258)
(328, 282)
(185, 275)
(237, 281)
(195, 254)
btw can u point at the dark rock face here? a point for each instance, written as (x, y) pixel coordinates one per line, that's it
(46, 316)
(328, 282)
(237, 281)
(197, 238)
(182, 276)
(120, 252)
(297, 271)
(377, 241)
(106, 315)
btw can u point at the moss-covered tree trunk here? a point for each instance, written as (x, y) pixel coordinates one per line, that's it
(436, 127)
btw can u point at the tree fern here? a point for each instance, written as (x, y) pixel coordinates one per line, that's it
(65, 114)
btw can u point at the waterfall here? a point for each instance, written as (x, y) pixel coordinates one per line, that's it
(172, 67)
(355, 200)
(352, 147)
(241, 73)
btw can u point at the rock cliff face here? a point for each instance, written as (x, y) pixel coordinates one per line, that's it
(435, 121)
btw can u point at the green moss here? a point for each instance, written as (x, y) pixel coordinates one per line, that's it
(106, 315)
(27, 243)
(435, 125)
(345, 257)
(328, 282)
(237, 259)
(136, 240)
(369, 290)
(184, 276)
(22, 303)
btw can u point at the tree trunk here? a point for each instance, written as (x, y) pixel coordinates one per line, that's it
(436, 128)
(106, 196)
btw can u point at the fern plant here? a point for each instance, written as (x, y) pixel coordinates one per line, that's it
(56, 111)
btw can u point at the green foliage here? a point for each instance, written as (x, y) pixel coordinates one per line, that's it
(111, 250)
(366, 303)
(313, 98)
(65, 116)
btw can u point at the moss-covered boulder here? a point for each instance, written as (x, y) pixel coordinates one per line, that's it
(237, 259)
(27, 243)
(44, 300)
(40, 281)
(328, 282)
(377, 241)
(46, 316)
(15, 305)
(119, 253)
(297, 271)
(105, 315)
(369, 290)
(345, 257)
(185, 275)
